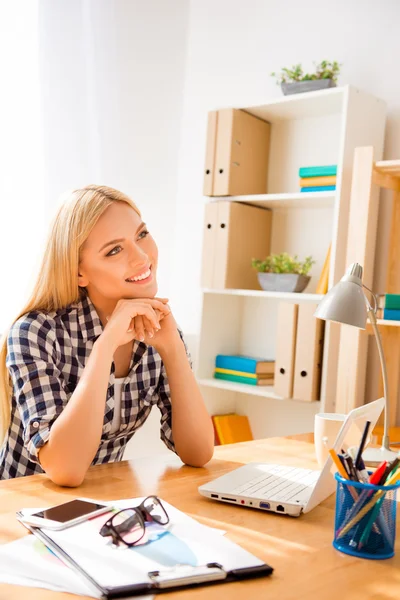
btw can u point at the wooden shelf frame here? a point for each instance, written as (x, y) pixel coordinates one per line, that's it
(369, 177)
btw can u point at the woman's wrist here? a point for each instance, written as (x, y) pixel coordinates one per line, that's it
(173, 350)
(103, 345)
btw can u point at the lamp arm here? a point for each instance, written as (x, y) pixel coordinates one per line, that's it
(372, 318)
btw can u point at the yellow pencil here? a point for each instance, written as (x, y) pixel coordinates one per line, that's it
(338, 464)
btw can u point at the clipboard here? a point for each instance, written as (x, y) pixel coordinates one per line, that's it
(160, 580)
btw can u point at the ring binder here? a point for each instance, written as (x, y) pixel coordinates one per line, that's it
(238, 565)
(183, 575)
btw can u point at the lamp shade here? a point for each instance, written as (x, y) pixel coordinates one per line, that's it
(345, 302)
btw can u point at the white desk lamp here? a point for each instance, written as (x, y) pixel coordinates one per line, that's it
(347, 303)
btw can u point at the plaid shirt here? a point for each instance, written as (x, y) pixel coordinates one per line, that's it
(47, 353)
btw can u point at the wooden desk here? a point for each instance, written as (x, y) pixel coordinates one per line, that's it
(300, 550)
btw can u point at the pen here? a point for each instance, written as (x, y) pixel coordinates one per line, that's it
(350, 467)
(339, 466)
(362, 471)
(345, 466)
(342, 472)
(377, 475)
(392, 466)
(362, 444)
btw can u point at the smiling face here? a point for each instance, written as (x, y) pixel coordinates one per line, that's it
(118, 259)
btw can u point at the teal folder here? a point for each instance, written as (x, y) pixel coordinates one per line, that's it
(320, 171)
(392, 301)
(236, 378)
(319, 188)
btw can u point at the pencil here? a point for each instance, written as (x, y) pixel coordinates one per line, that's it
(338, 464)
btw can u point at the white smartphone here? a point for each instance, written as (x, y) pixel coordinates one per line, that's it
(64, 515)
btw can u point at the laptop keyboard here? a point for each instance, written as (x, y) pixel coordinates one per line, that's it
(280, 484)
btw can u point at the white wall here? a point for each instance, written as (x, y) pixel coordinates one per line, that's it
(21, 155)
(113, 74)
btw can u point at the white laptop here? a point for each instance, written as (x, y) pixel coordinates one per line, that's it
(284, 489)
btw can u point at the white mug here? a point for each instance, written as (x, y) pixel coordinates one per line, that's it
(326, 428)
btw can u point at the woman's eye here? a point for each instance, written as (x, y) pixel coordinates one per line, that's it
(143, 234)
(113, 253)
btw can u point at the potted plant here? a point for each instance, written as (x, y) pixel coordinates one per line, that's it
(283, 273)
(295, 81)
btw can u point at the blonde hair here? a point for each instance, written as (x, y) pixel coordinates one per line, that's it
(56, 285)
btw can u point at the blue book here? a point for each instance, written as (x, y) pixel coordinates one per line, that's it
(246, 364)
(320, 188)
(320, 171)
(391, 314)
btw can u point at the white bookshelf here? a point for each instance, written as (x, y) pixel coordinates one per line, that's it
(316, 128)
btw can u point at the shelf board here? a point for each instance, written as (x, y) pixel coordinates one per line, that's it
(242, 388)
(255, 390)
(389, 167)
(294, 200)
(297, 297)
(387, 323)
(300, 106)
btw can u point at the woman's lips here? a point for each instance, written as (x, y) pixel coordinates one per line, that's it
(144, 277)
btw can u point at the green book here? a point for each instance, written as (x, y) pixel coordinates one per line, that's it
(235, 378)
(320, 171)
(392, 301)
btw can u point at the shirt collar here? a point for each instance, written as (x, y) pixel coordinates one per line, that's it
(88, 319)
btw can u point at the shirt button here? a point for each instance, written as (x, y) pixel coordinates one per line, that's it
(35, 424)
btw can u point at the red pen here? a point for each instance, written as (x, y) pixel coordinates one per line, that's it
(377, 475)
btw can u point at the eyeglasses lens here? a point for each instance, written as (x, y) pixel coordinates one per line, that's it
(155, 510)
(129, 526)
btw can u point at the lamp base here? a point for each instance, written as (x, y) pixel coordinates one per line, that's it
(374, 456)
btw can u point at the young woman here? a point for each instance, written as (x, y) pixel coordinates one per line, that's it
(94, 350)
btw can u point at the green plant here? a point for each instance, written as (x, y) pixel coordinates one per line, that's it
(323, 70)
(283, 263)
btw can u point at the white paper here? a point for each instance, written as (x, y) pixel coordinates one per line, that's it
(28, 562)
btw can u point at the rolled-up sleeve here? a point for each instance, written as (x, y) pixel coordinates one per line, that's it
(39, 389)
(164, 403)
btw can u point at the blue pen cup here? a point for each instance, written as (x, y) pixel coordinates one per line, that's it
(365, 518)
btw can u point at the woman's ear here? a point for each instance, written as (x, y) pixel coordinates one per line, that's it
(82, 280)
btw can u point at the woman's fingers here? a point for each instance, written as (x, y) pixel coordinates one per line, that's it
(139, 328)
(132, 328)
(161, 306)
(145, 310)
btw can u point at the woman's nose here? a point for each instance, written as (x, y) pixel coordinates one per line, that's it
(137, 257)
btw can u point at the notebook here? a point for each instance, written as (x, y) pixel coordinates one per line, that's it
(182, 554)
(285, 489)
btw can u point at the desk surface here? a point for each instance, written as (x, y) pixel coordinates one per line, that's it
(300, 550)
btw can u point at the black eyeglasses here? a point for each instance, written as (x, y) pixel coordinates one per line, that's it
(128, 525)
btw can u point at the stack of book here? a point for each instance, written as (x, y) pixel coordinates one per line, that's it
(389, 307)
(318, 179)
(244, 369)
